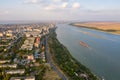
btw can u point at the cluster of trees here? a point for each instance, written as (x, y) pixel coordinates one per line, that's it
(14, 49)
(5, 42)
(18, 44)
(40, 72)
(66, 62)
(2, 48)
(4, 76)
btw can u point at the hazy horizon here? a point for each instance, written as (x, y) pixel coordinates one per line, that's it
(60, 10)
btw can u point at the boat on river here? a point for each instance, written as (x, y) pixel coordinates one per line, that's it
(83, 44)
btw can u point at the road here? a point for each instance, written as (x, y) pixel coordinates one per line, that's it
(50, 62)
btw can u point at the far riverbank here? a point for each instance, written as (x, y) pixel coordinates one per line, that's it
(111, 27)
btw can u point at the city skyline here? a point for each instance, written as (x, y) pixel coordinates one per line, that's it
(35, 10)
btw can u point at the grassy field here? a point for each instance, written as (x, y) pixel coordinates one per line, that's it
(113, 27)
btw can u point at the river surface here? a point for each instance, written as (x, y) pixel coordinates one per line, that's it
(103, 55)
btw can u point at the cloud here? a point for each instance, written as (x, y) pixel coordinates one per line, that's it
(56, 0)
(31, 1)
(60, 0)
(65, 0)
(53, 4)
(4, 12)
(50, 7)
(76, 5)
(56, 7)
(64, 5)
(41, 1)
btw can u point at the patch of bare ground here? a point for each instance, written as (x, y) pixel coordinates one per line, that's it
(51, 75)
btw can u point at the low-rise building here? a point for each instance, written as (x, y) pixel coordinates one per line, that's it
(36, 45)
(16, 78)
(1, 34)
(4, 61)
(23, 78)
(27, 35)
(43, 56)
(9, 34)
(31, 58)
(8, 65)
(30, 78)
(19, 71)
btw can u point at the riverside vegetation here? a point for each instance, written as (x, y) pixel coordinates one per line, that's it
(73, 69)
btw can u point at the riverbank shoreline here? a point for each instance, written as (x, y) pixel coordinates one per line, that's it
(82, 25)
(69, 65)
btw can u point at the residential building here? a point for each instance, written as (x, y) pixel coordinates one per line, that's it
(4, 61)
(8, 65)
(23, 78)
(19, 71)
(1, 34)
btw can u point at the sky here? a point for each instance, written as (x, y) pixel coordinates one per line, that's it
(67, 10)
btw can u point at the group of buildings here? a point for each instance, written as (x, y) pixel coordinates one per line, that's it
(28, 44)
(33, 34)
(13, 70)
(8, 33)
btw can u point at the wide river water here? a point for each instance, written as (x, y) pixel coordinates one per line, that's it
(103, 55)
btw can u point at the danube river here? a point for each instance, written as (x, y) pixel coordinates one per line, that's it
(103, 55)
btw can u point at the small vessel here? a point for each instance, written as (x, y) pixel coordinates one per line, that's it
(103, 78)
(83, 44)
